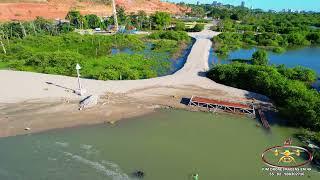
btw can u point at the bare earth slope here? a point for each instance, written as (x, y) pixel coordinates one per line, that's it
(54, 9)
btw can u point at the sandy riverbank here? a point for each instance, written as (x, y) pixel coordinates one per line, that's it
(43, 102)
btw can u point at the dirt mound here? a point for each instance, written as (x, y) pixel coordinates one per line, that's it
(150, 6)
(57, 9)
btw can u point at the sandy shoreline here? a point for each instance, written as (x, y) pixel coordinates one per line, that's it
(43, 102)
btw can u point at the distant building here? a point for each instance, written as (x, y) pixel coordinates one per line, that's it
(198, 3)
(243, 4)
(272, 11)
(214, 3)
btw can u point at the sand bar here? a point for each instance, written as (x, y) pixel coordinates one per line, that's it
(43, 101)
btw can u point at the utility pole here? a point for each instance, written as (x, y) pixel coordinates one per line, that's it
(3, 47)
(23, 30)
(114, 10)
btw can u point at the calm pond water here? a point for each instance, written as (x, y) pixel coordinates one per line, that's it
(168, 144)
(308, 57)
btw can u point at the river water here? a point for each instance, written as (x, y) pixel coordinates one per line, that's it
(169, 144)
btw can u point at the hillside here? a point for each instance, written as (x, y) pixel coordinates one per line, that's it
(53, 9)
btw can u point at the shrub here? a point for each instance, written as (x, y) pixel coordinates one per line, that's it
(180, 26)
(171, 35)
(260, 57)
(197, 28)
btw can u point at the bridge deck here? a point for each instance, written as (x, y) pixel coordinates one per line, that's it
(224, 103)
(263, 119)
(213, 105)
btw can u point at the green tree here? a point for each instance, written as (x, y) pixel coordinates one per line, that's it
(42, 25)
(314, 37)
(76, 19)
(142, 19)
(121, 14)
(180, 26)
(198, 27)
(260, 57)
(197, 11)
(93, 21)
(161, 19)
(297, 39)
(235, 17)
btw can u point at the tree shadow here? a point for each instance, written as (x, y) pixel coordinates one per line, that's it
(185, 101)
(260, 97)
(270, 111)
(202, 74)
(63, 87)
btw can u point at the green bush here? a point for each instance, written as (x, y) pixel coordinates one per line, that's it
(165, 45)
(278, 50)
(260, 57)
(180, 26)
(197, 28)
(298, 73)
(171, 35)
(62, 62)
(276, 42)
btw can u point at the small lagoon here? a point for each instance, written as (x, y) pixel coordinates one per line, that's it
(308, 57)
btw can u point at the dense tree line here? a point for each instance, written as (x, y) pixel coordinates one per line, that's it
(139, 20)
(39, 26)
(294, 99)
(275, 31)
(281, 23)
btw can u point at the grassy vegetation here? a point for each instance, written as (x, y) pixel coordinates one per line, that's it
(59, 54)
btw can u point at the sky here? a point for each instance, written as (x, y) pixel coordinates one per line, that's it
(307, 5)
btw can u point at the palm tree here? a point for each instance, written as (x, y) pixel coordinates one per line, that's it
(114, 10)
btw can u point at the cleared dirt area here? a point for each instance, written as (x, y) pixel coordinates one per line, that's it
(58, 9)
(15, 1)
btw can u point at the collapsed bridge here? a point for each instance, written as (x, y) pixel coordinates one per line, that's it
(229, 106)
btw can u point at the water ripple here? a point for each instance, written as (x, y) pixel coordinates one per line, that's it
(114, 172)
